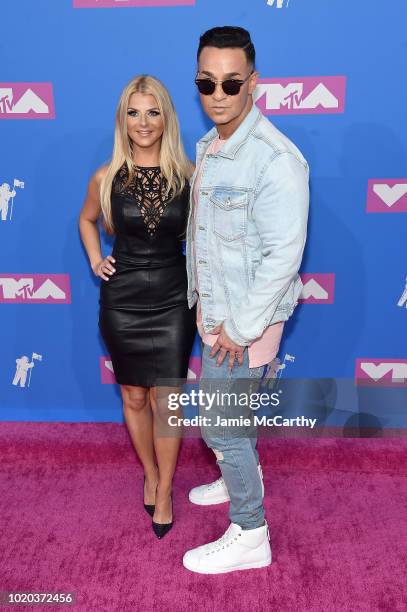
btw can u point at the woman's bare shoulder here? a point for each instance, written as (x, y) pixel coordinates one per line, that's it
(100, 174)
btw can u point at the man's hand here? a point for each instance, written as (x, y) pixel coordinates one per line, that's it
(225, 345)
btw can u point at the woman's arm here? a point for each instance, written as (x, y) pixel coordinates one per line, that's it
(88, 228)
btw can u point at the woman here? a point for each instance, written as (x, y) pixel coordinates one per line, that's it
(144, 319)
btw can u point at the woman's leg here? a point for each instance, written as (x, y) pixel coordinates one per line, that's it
(167, 441)
(139, 421)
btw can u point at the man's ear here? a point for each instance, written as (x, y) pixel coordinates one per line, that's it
(253, 81)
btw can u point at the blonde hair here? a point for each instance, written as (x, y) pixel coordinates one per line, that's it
(174, 164)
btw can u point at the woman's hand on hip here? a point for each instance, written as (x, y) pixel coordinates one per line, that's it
(104, 268)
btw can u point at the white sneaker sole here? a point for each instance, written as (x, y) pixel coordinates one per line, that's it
(211, 502)
(246, 566)
(208, 502)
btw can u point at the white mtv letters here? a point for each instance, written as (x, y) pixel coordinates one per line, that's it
(376, 371)
(390, 195)
(291, 96)
(24, 288)
(109, 366)
(29, 101)
(403, 299)
(278, 3)
(313, 289)
(191, 375)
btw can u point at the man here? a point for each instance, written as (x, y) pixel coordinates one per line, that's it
(245, 239)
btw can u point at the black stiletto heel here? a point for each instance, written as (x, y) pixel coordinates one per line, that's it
(148, 507)
(161, 529)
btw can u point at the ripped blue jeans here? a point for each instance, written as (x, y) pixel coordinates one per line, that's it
(233, 445)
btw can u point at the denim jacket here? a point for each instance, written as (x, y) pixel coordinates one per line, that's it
(250, 231)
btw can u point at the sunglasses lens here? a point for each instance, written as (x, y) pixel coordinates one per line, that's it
(231, 88)
(205, 86)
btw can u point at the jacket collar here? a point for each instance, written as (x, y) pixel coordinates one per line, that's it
(238, 137)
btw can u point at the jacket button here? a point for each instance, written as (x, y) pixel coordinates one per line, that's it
(201, 227)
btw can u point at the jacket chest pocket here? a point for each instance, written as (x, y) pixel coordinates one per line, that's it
(229, 214)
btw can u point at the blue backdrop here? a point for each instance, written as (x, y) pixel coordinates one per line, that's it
(62, 70)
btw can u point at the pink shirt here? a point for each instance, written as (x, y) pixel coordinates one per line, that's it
(263, 349)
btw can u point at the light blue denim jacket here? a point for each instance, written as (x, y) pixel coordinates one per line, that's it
(250, 229)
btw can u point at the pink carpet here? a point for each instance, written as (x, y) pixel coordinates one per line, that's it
(71, 519)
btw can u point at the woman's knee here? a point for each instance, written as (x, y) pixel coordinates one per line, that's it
(160, 402)
(135, 398)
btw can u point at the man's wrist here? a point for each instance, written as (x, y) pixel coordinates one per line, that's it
(233, 333)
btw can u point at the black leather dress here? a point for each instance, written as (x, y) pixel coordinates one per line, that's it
(144, 317)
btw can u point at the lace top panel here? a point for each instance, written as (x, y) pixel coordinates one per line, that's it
(148, 188)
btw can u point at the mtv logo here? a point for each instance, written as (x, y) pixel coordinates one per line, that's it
(35, 289)
(121, 3)
(317, 289)
(194, 369)
(299, 96)
(26, 101)
(278, 3)
(386, 196)
(106, 371)
(381, 372)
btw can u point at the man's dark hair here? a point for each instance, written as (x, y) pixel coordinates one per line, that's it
(229, 37)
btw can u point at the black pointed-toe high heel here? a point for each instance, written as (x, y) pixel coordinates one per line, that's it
(161, 529)
(148, 507)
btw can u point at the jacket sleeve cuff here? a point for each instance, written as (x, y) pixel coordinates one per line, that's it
(233, 333)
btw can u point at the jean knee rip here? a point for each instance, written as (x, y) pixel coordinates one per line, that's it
(219, 454)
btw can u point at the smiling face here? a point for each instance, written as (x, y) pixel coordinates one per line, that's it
(219, 65)
(145, 124)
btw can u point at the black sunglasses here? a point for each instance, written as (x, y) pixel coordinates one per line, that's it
(231, 87)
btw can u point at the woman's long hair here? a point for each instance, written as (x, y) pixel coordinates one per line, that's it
(174, 164)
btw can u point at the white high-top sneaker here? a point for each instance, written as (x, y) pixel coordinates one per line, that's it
(237, 549)
(215, 492)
